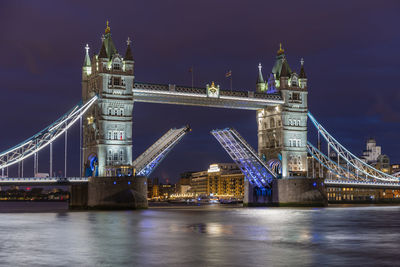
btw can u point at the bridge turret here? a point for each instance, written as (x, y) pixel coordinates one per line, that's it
(282, 130)
(260, 85)
(108, 133)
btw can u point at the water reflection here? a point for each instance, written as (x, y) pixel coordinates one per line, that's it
(205, 237)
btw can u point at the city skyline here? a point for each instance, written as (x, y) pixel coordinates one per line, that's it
(343, 76)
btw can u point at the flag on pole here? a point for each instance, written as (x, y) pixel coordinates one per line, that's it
(228, 74)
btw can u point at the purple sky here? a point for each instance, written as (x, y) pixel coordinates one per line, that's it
(350, 50)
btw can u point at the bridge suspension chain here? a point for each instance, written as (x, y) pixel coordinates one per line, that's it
(45, 137)
(360, 167)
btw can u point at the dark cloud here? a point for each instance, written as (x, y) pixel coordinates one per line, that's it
(350, 50)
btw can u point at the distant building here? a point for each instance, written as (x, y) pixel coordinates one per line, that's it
(383, 163)
(222, 179)
(373, 156)
(372, 152)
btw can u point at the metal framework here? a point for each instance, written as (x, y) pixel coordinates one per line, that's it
(255, 170)
(354, 164)
(152, 157)
(44, 138)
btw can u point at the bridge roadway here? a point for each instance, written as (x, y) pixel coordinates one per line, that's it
(31, 181)
(183, 95)
(360, 184)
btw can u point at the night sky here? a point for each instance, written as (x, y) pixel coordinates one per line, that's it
(350, 49)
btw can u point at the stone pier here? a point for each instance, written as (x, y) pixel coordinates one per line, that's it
(110, 193)
(288, 192)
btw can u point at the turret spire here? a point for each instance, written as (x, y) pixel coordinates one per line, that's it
(128, 53)
(87, 57)
(281, 50)
(260, 78)
(302, 72)
(107, 30)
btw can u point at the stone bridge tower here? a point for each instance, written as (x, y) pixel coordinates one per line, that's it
(282, 130)
(107, 126)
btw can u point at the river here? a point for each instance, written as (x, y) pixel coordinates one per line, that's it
(201, 236)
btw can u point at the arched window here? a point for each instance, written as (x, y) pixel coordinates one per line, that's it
(115, 112)
(110, 111)
(122, 111)
(272, 123)
(115, 135)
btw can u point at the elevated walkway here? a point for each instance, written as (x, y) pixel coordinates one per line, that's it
(182, 95)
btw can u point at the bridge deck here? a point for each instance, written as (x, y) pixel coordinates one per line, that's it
(338, 183)
(173, 94)
(43, 181)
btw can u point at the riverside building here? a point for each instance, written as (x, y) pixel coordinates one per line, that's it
(224, 180)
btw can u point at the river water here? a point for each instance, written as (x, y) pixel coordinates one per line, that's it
(203, 236)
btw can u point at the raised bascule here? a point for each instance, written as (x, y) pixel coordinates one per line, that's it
(286, 169)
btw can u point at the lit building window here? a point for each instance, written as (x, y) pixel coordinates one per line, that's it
(117, 81)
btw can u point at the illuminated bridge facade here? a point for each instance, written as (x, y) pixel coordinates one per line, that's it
(109, 91)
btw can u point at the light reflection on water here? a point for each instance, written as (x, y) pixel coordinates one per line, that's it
(203, 236)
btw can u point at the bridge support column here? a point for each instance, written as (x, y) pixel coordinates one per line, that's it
(111, 193)
(288, 192)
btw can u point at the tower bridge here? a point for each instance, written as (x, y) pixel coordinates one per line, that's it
(285, 168)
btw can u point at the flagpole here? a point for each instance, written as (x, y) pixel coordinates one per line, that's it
(192, 78)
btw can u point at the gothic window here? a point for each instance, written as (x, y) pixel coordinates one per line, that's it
(121, 155)
(290, 122)
(115, 112)
(117, 81)
(122, 111)
(295, 96)
(116, 66)
(109, 155)
(109, 135)
(298, 143)
(298, 122)
(272, 123)
(115, 135)
(110, 111)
